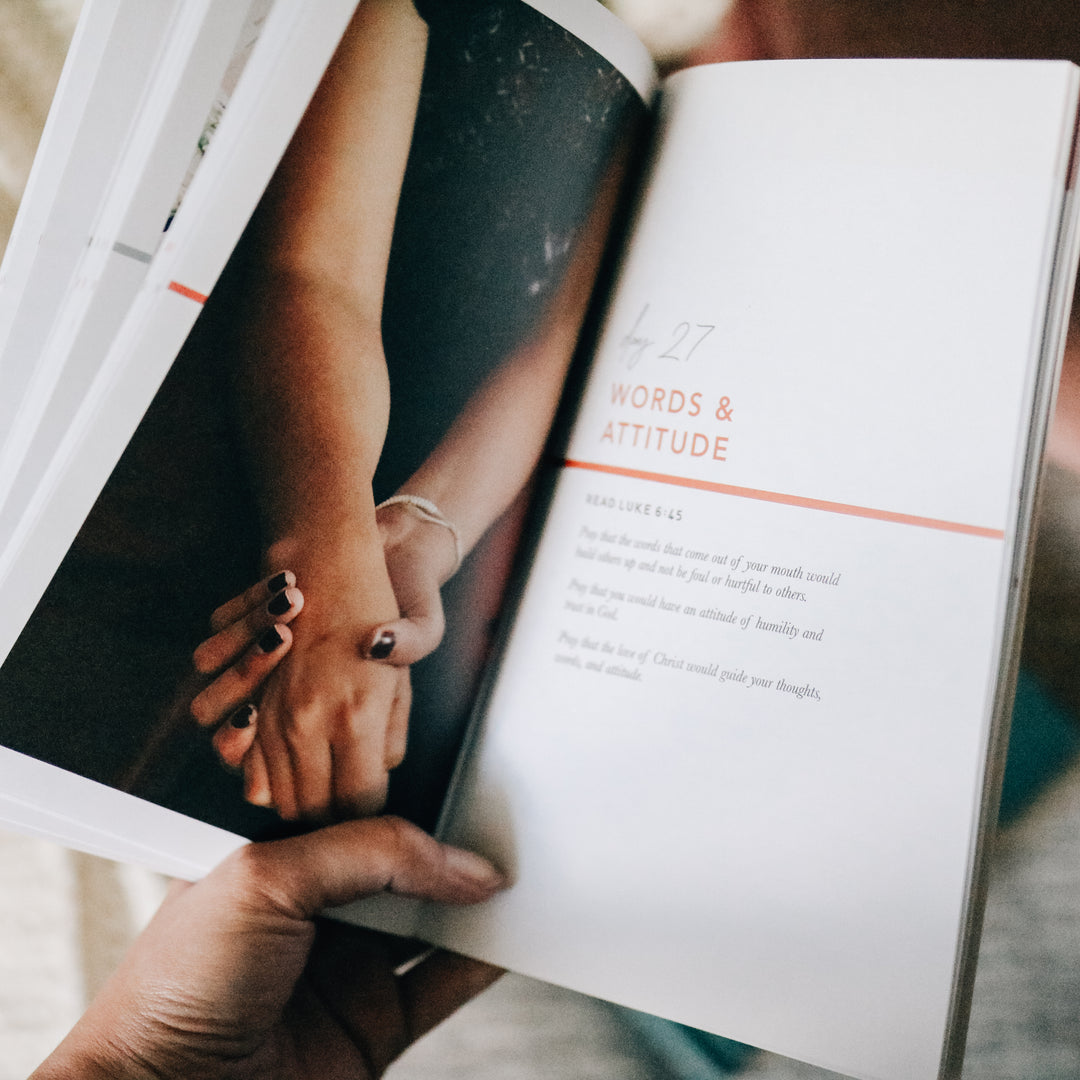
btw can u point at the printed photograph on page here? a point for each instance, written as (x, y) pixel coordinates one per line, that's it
(279, 608)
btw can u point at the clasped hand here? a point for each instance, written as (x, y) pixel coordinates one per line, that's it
(234, 979)
(333, 691)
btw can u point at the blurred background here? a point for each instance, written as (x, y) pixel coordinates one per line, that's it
(65, 918)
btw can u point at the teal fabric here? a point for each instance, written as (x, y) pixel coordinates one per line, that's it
(1043, 738)
(685, 1053)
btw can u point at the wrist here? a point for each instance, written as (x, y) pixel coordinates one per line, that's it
(343, 577)
(89, 1062)
(414, 526)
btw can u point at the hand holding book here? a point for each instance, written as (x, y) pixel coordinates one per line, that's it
(232, 979)
(751, 622)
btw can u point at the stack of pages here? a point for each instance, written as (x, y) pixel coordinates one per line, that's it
(737, 733)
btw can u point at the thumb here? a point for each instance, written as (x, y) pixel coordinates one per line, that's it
(409, 639)
(346, 862)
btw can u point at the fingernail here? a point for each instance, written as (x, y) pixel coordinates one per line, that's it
(280, 603)
(243, 716)
(383, 645)
(271, 639)
(280, 581)
(477, 870)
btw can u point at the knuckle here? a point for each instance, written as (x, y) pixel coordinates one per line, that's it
(245, 869)
(302, 723)
(353, 724)
(365, 800)
(394, 834)
(259, 878)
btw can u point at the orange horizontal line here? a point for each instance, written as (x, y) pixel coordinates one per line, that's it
(183, 290)
(791, 500)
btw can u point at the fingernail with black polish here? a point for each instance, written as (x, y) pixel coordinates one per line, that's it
(280, 604)
(383, 645)
(278, 582)
(243, 716)
(271, 640)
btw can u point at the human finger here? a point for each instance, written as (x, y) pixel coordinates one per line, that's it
(360, 778)
(312, 766)
(236, 684)
(234, 738)
(250, 599)
(256, 778)
(228, 643)
(407, 640)
(279, 766)
(397, 729)
(342, 863)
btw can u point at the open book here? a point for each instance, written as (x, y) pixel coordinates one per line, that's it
(729, 703)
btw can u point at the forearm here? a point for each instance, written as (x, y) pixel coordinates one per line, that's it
(486, 458)
(311, 377)
(477, 470)
(313, 398)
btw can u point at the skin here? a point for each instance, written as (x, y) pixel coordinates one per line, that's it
(332, 723)
(232, 979)
(314, 392)
(235, 978)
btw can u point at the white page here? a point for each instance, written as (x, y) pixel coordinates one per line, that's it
(292, 52)
(30, 820)
(735, 753)
(128, 230)
(40, 826)
(81, 152)
(73, 90)
(41, 799)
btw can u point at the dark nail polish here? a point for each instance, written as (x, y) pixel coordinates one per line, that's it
(383, 645)
(280, 604)
(270, 640)
(278, 582)
(243, 716)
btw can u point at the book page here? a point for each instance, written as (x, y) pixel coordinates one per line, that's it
(734, 755)
(122, 238)
(100, 102)
(516, 148)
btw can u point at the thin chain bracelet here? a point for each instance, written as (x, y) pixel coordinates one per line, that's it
(426, 510)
